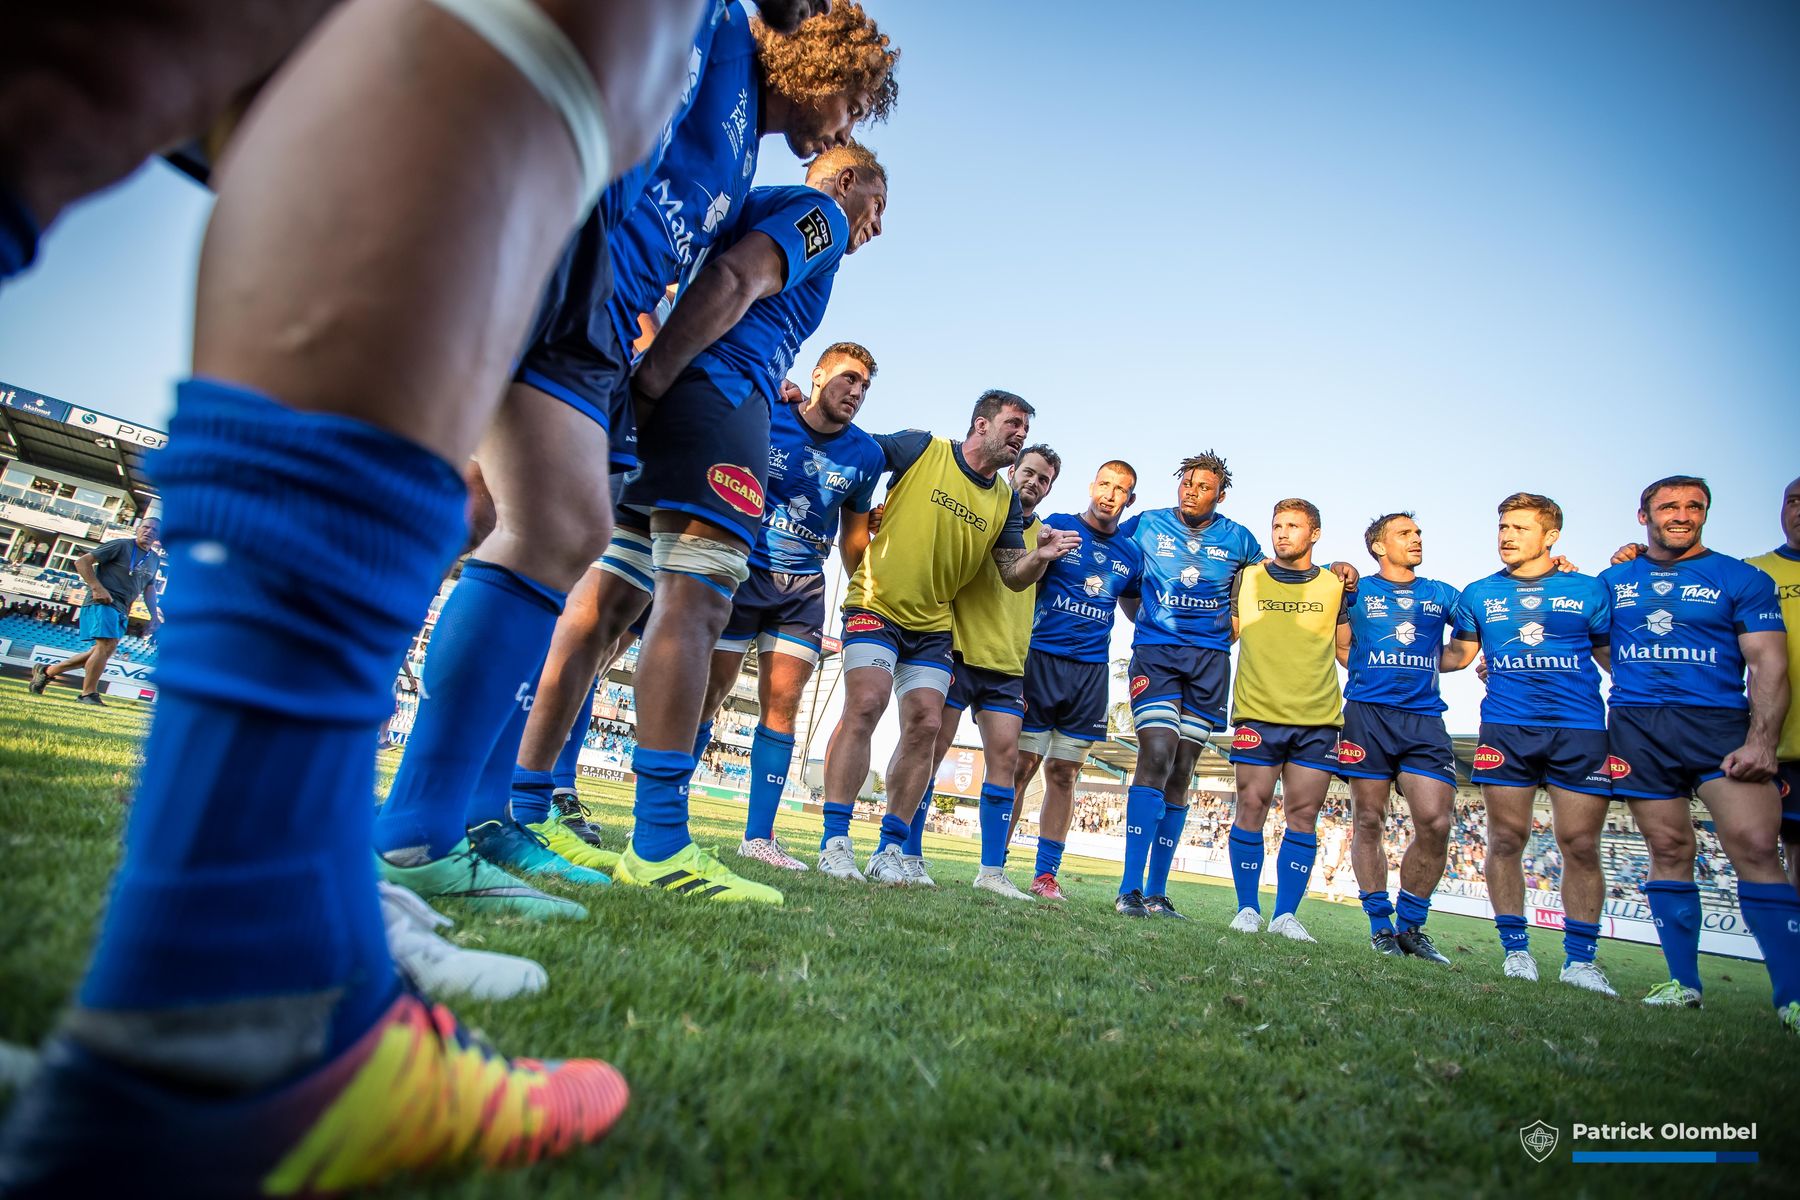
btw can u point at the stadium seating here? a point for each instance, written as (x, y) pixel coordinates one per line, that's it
(26, 632)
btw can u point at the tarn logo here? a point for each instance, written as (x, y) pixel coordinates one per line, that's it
(1539, 1140)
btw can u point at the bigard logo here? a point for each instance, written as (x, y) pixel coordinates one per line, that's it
(1138, 685)
(1245, 738)
(737, 487)
(863, 623)
(1617, 767)
(1539, 1140)
(1350, 752)
(1488, 759)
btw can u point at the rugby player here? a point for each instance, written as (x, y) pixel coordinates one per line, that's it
(358, 313)
(823, 472)
(1288, 617)
(946, 514)
(1542, 633)
(990, 631)
(1782, 564)
(1065, 671)
(1687, 625)
(116, 573)
(711, 376)
(1180, 665)
(1394, 733)
(566, 413)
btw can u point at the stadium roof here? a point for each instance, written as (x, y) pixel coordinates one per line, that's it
(58, 436)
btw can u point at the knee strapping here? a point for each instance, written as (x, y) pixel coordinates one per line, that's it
(540, 51)
(688, 554)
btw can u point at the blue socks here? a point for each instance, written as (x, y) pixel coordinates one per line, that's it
(1246, 850)
(894, 832)
(1581, 940)
(1380, 911)
(1143, 810)
(530, 802)
(915, 835)
(996, 811)
(1049, 855)
(1675, 907)
(661, 829)
(837, 821)
(568, 759)
(18, 236)
(306, 549)
(1162, 850)
(770, 754)
(1293, 869)
(490, 641)
(1512, 932)
(1772, 910)
(702, 739)
(1414, 910)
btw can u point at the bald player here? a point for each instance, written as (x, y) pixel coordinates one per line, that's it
(990, 634)
(946, 514)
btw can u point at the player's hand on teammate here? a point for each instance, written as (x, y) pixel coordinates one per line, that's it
(1054, 543)
(1481, 667)
(875, 515)
(1753, 762)
(1629, 551)
(791, 394)
(1562, 564)
(1347, 575)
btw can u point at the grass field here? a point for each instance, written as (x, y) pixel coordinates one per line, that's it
(896, 1043)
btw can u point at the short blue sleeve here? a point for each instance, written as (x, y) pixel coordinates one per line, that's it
(1464, 627)
(810, 231)
(1600, 615)
(862, 498)
(1251, 552)
(1754, 605)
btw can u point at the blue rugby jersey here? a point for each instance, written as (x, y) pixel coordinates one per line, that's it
(1080, 591)
(703, 175)
(1538, 637)
(1187, 576)
(1675, 629)
(812, 476)
(812, 233)
(1396, 635)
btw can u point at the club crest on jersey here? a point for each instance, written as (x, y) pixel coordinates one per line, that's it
(815, 233)
(1190, 576)
(1350, 752)
(1662, 587)
(863, 623)
(1530, 601)
(1661, 622)
(1138, 684)
(1193, 546)
(1617, 767)
(1099, 555)
(1404, 601)
(736, 487)
(1245, 738)
(1093, 585)
(1488, 759)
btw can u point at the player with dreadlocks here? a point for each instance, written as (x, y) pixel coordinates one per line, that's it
(1180, 665)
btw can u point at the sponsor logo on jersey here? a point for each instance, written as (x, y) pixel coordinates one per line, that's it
(1217, 552)
(1488, 759)
(1405, 632)
(864, 623)
(1661, 622)
(815, 233)
(1624, 595)
(1532, 633)
(1093, 585)
(1190, 576)
(1701, 595)
(716, 212)
(1375, 606)
(1246, 738)
(1350, 752)
(1616, 767)
(737, 487)
(1138, 684)
(1165, 546)
(958, 509)
(1567, 604)
(1494, 608)
(1290, 606)
(778, 460)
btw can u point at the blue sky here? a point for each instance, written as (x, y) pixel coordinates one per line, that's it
(1383, 256)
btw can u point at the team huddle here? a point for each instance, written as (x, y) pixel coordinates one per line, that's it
(517, 243)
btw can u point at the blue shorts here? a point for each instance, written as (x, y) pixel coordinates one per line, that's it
(705, 456)
(1180, 688)
(1383, 742)
(101, 621)
(1066, 696)
(1266, 744)
(772, 607)
(981, 690)
(573, 352)
(1533, 755)
(1787, 781)
(871, 640)
(1666, 753)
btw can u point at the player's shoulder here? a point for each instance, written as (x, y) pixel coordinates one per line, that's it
(1064, 521)
(860, 444)
(1578, 583)
(1223, 529)
(1436, 590)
